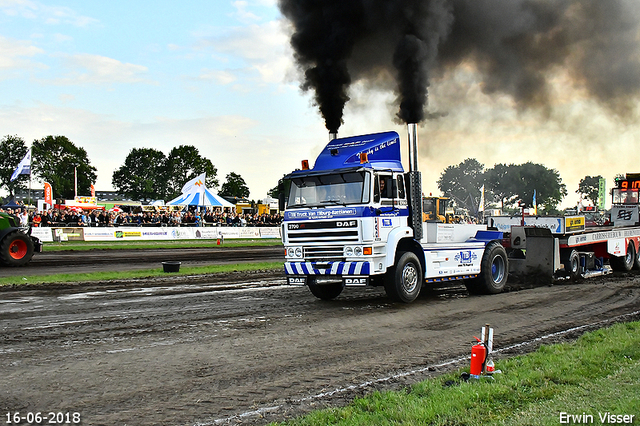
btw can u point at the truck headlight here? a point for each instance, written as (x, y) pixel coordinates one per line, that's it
(295, 252)
(348, 251)
(357, 251)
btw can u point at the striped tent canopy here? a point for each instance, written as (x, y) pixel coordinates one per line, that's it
(203, 199)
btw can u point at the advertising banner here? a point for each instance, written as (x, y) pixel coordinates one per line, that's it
(48, 194)
(155, 233)
(624, 215)
(270, 232)
(602, 193)
(43, 234)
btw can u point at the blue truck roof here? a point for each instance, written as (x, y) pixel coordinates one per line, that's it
(383, 151)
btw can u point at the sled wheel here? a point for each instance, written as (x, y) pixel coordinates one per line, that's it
(624, 263)
(494, 269)
(572, 265)
(404, 280)
(16, 249)
(327, 291)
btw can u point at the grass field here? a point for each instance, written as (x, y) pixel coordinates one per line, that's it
(134, 245)
(592, 379)
(144, 273)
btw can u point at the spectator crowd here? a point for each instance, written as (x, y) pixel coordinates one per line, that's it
(97, 217)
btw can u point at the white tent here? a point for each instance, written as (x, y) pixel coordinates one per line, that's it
(204, 198)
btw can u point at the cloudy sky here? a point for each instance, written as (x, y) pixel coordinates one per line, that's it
(219, 75)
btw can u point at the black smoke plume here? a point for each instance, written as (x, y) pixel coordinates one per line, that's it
(517, 46)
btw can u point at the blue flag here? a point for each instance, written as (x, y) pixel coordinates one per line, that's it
(24, 168)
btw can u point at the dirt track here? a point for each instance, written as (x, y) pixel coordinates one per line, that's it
(245, 348)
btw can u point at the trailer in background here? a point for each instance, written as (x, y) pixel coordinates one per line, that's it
(563, 247)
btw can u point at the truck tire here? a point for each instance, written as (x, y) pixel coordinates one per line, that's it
(404, 281)
(327, 291)
(624, 263)
(494, 270)
(16, 249)
(572, 265)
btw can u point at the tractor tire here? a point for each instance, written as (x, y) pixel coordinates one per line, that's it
(16, 249)
(624, 263)
(494, 271)
(404, 281)
(327, 291)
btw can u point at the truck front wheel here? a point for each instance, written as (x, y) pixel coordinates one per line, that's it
(404, 280)
(16, 249)
(327, 291)
(494, 270)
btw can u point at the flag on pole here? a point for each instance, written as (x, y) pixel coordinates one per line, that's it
(535, 206)
(195, 185)
(93, 190)
(481, 205)
(24, 168)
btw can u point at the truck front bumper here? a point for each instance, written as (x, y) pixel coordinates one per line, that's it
(351, 273)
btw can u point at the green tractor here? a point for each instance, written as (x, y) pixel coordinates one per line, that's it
(16, 245)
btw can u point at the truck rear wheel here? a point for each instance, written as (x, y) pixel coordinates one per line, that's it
(327, 291)
(404, 280)
(16, 249)
(624, 263)
(494, 270)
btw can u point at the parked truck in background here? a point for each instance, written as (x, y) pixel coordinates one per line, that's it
(355, 219)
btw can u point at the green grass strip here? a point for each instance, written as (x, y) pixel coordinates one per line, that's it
(595, 375)
(134, 245)
(144, 273)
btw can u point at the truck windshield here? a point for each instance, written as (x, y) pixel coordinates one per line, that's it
(331, 189)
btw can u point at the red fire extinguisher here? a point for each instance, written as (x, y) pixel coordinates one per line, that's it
(478, 358)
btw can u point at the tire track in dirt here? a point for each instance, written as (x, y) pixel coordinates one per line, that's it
(190, 351)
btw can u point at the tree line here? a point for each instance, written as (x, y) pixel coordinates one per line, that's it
(147, 173)
(510, 186)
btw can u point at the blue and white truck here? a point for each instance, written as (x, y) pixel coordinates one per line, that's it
(355, 219)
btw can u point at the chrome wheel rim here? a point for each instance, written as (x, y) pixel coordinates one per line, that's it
(409, 278)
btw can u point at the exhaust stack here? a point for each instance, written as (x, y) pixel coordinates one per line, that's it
(414, 183)
(412, 128)
(333, 135)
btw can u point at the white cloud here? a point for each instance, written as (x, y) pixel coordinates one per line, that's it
(264, 48)
(62, 38)
(242, 12)
(14, 57)
(96, 69)
(53, 15)
(228, 141)
(26, 9)
(221, 77)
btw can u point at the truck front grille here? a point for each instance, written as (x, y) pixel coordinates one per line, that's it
(343, 231)
(323, 253)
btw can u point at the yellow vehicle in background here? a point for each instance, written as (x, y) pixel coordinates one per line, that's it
(436, 209)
